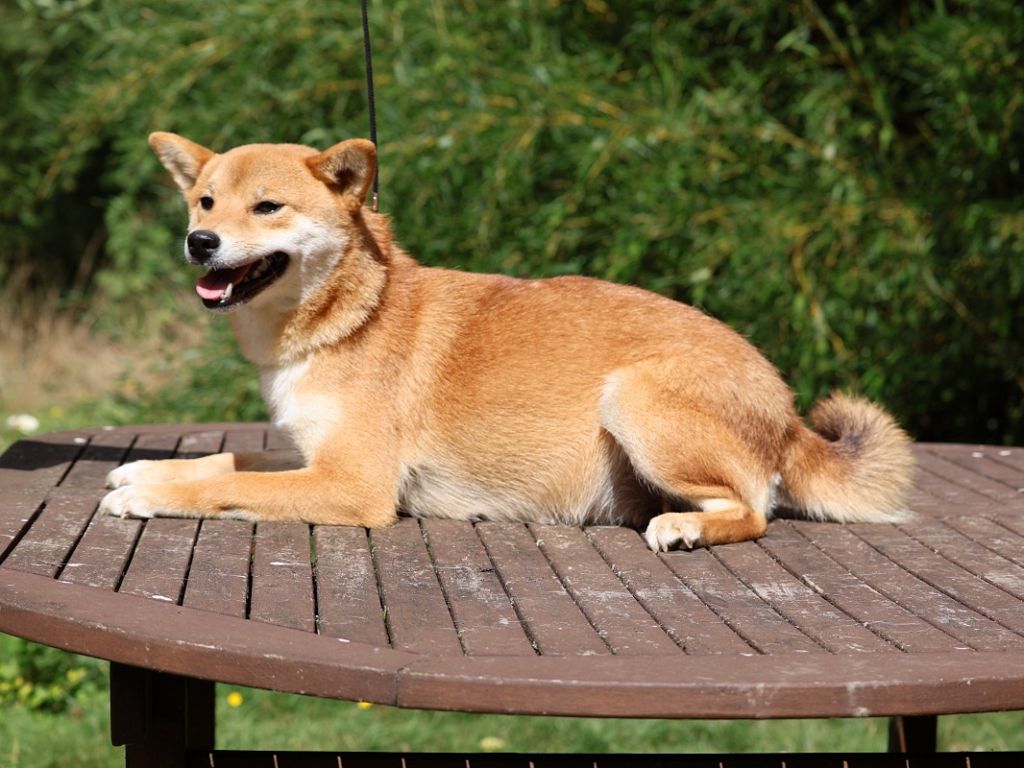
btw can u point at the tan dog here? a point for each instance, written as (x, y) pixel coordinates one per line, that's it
(448, 394)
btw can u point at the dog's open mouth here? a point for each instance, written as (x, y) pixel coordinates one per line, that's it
(224, 288)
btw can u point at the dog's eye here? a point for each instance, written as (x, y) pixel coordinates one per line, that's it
(267, 206)
(206, 202)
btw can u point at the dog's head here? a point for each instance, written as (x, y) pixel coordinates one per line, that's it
(269, 221)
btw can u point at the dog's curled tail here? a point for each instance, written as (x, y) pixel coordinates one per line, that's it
(855, 466)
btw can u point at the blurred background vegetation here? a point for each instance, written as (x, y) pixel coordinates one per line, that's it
(840, 182)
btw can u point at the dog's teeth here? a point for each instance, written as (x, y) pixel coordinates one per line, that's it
(227, 293)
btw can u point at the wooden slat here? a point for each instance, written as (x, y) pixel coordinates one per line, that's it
(620, 621)
(104, 452)
(101, 555)
(811, 613)
(28, 471)
(277, 440)
(348, 600)
(988, 600)
(852, 595)
(484, 617)
(737, 605)
(973, 554)
(246, 759)
(218, 579)
(957, 498)
(161, 559)
(906, 589)
(551, 617)
(45, 545)
(201, 443)
(992, 534)
(964, 471)
(69, 507)
(417, 614)
(998, 463)
(675, 607)
(247, 441)
(1014, 524)
(282, 576)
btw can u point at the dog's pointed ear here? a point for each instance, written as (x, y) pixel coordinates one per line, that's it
(184, 159)
(347, 168)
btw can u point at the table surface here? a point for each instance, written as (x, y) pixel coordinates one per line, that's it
(812, 620)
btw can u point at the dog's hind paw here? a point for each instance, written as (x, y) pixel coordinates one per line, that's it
(673, 529)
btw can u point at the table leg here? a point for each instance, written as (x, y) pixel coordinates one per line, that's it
(159, 716)
(913, 734)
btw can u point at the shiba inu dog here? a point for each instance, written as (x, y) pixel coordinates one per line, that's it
(470, 396)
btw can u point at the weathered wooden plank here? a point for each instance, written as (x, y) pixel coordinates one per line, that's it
(553, 621)
(991, 534)
(484, 617)
(160, 561)
(69, 507)
(620, 621)
(282, 576)
(851, 594)
(907, 589)
(102, 554)
(933, 480)
(29, 469)
(244, 441)
(105, 451)
(745, 612)
(348, 600)
(278, 440)
(799, 604)
(966, 472)
(964, 586)
(201, 443)
(44, 547)
(1003, 463)
(417, 615)
(674, 606)
(975, 553)
(1012, 523)
(218, 578)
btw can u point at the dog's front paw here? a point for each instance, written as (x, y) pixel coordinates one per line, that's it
(133, 473)
(129, 501)
(673, 529)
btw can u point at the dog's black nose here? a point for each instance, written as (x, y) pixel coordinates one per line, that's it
(202, 244)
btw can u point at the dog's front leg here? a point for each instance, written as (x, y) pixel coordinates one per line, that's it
(168, 470)
(311, 495)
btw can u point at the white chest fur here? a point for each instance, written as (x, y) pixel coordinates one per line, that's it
(293, 407)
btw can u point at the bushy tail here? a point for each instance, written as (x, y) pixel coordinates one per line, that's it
(855, 466)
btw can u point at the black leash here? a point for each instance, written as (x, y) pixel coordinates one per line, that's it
(371, 104)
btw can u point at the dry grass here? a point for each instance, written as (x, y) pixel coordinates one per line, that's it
(52, 361)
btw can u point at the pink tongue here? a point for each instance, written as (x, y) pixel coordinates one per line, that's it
(212, 285)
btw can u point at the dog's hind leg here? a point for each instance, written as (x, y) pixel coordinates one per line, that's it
(689, 455)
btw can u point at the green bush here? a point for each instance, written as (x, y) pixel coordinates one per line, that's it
(43, 678)
(842, 183)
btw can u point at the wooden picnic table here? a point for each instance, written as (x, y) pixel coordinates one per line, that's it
(813, 620)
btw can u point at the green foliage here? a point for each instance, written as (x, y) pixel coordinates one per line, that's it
(842, 183)
(42, 678)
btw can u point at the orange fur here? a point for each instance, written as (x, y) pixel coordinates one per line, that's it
(479, 396)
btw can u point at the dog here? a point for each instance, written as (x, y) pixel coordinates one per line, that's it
(469, 396)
